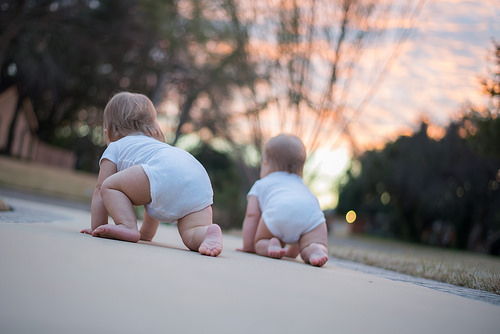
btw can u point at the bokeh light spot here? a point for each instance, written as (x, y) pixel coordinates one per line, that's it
(385, 198)
(350, 217)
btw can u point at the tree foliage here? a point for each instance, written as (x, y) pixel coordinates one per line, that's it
(417, 188)
(229, 200)
(69, 57)
(212, 67)
(443, 192)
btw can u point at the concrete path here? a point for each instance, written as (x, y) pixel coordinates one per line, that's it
(56, 280)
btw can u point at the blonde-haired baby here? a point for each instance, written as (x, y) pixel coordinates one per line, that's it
(282, 210)
(139, 168)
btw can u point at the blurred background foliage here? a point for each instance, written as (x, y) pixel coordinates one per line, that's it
(440, 191)
(196, 61)
(69, 57)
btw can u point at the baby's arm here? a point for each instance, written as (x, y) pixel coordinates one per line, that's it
(99, 214)
(252, 218)
(148, 227)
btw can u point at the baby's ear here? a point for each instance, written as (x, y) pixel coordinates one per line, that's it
(105, 136)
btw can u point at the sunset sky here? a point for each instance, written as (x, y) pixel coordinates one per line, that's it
(438, 69)
(436, 72)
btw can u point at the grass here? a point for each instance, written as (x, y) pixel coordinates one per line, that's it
(471, 270)
(476, 271)
(43, 179)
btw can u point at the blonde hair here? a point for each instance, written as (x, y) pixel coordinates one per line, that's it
(127, 113)
(286, 153)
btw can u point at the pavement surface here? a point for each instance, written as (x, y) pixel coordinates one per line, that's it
(55, 280)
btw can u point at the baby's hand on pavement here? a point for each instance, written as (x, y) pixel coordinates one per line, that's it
(86, 231)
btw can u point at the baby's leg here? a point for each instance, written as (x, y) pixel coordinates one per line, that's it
(314, 246)
(292, 251)
(199, 234)
(120, 192)
(266, 244)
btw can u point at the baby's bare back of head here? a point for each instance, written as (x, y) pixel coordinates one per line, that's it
(286, 153)
(127, 113)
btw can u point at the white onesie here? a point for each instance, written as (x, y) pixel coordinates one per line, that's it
(179, 183)
(288, 207)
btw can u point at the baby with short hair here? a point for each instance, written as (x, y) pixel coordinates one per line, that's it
(281, 210)
(139, 168)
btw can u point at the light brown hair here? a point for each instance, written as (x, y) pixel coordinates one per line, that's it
(127, 113)
(285, 153)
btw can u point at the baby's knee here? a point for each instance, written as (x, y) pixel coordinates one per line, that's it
(106, 187)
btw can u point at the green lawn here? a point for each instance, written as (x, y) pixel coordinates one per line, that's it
(471, 270)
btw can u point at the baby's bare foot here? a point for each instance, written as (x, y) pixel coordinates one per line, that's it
(315, 254)
(212, 244)
(274, 249)
(118, 232)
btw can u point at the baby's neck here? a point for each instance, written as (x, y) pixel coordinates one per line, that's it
(283, 171)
